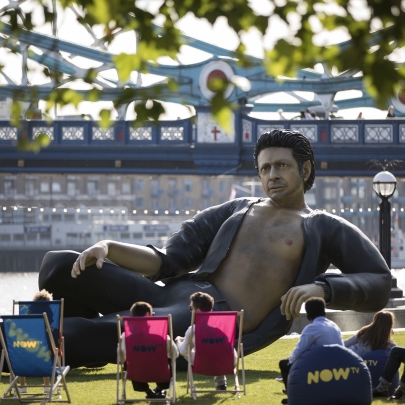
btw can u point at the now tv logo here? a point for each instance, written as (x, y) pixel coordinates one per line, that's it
(29, 344)
(327, 375)
(212, 341)
(144, 349)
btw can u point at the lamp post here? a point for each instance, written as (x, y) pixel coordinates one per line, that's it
(384, 184)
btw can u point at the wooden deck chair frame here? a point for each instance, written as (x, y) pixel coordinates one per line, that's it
(58, 373)
(121, 395)
(62, 307)
(190, 377)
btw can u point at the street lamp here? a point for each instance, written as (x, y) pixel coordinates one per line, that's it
(384, 184)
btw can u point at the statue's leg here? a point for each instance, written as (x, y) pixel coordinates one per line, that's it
(112, 290)
(95, 291)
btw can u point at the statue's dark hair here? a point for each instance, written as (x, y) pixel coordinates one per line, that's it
(284, 138)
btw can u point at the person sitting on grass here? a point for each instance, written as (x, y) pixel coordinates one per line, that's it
(397, 356)
(319, 332)
(141, 308)
(376, 335)
(200, 302)
(42, 295)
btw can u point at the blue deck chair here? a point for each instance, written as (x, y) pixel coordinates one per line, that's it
(54, 311)
(30, 351)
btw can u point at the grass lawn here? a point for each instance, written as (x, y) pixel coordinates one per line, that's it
(97, 386)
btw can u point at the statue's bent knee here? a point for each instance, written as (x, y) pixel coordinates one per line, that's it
(55, 266)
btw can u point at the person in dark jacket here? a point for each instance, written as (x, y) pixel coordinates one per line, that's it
(264, 255)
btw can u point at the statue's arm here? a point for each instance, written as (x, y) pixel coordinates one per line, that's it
(185, 251)
(140, 259)
(365, 282)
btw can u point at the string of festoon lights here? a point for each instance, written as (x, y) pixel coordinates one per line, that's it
(103, 210)
(140, 212)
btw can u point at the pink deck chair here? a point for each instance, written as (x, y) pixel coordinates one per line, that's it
(214, 349)
(146, 355)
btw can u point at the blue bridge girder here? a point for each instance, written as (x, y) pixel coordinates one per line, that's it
(342, 147)
(187, 77)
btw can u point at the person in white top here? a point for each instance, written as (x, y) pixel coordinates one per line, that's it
(141, 308)
(319, 332)
(280, 113)
(308, 115)
(199, 302)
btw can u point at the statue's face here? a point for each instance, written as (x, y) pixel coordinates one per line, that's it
(280, 177)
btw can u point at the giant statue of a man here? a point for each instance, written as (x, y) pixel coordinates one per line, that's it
(264, 255)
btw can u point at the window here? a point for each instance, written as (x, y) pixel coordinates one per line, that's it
(5, 237)
(44, 187)
(139, 202)
(154, 186)
(354, 191)
(155, 203)
(18, 237)
(29, 188)
(205, 203)
(111, 189)
(172, 204)
(149, 234)
(137, 235)
(139, 185)
(31, 237)
(71, 188)
(71, 239)
(188, 203)
(56, 218)
(205, 183)
(56, 188)
(92, 187)
(124, 235)
(362, 192)
(126, 188)
(222, 186)
(330, 193)
(171, 185)
(9, 187)
(188, 185)
(69, 218)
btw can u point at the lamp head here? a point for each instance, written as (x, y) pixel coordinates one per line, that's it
(384, 184)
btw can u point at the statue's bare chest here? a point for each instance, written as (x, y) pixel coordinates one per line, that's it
(272, 232)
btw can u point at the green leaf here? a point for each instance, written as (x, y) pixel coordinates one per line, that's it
(105, 121)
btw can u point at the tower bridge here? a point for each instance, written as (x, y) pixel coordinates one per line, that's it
(197, 145)
(342, 147)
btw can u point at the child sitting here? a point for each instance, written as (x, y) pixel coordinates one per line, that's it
(200, 302)
(42, 295)
(144, 309)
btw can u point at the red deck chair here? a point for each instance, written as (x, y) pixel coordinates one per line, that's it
(146, 355)
(214, 349)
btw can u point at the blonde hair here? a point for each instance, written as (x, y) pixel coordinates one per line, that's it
(377, 334)
(43, 295)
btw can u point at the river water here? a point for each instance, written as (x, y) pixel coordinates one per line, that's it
(22, 286)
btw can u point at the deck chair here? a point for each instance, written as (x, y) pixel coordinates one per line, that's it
(146, 355)
(214, 349)
(54, 311)
(30, 351)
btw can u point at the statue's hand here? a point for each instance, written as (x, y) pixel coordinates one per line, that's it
(293, 299)
(93, 255)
